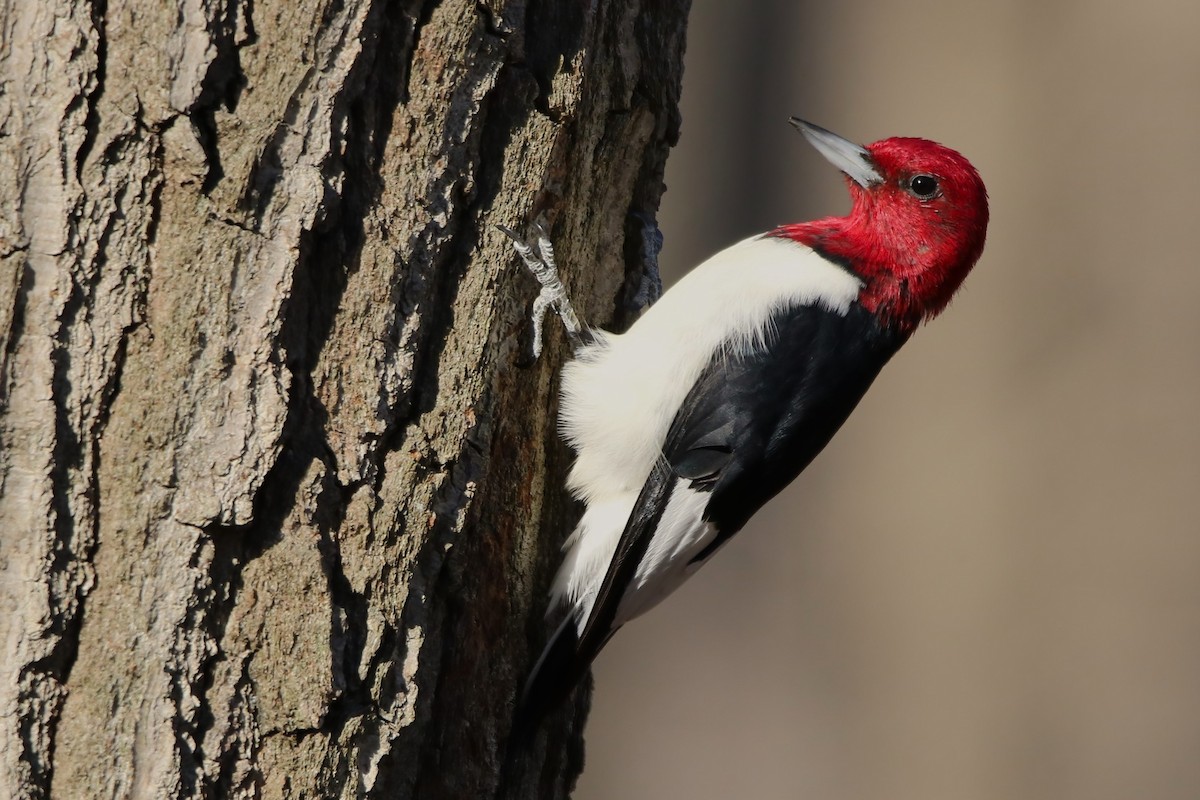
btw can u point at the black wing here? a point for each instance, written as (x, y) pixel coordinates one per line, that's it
(753, 423)
(747, 428)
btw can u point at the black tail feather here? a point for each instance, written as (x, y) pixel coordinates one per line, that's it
(553, 677)
(557, 671)
(570, 650)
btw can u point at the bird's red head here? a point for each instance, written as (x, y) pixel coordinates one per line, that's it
(917, 225)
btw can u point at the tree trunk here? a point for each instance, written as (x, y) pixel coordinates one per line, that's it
(278, 502)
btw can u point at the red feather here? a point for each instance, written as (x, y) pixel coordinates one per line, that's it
(911, 253)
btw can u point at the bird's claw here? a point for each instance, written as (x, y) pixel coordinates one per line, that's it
(539, 259)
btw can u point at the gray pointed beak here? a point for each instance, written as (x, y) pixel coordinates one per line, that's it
(851, 159)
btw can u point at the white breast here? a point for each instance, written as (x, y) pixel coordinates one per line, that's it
(620, 395)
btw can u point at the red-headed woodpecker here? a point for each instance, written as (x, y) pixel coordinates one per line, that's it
(728, 386)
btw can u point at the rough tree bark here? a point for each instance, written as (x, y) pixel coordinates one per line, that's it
(278, 505)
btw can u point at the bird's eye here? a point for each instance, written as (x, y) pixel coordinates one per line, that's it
(923, 186)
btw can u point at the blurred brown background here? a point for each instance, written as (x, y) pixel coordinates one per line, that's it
(989, 585)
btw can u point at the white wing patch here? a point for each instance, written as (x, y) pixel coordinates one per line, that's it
(681, 535)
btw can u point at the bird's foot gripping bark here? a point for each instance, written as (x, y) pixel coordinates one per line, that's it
(538, 255)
